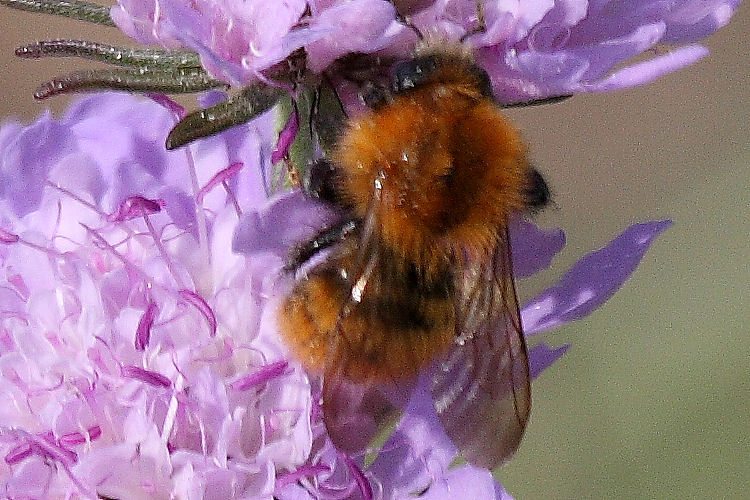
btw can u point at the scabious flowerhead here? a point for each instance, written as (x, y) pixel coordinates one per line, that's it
(139, 351)
(140, 356)
(531, 50)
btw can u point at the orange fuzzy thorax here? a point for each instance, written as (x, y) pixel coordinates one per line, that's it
(450, 168)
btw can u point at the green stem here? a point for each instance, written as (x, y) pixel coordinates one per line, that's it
(133, 80)
(118, 56)
(73, 9)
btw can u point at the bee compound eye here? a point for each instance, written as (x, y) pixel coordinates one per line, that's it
(410, 74)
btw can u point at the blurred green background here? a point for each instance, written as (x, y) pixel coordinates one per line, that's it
(653, 401)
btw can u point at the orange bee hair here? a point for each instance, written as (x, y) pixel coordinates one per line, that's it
(450, 165)
(439, 169)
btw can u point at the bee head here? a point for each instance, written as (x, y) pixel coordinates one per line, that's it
(437, 63)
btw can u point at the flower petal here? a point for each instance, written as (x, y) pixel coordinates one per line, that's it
(592, 281)
(472, 482)
(541, 357)
(417, 450)
(533, 248)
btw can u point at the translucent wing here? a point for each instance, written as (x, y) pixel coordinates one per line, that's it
(481, 388)
(354, 412)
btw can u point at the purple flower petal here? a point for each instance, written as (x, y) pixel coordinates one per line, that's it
(287, 219)
(471, 481)
(693, 20)
(417, 450)
(647, 71)
(533, 248)
(592, 281)
(541, 357)
(26, 160)
(354, 26)
(234, 42)
(576, 45)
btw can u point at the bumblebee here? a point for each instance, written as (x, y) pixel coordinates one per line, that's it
(420, 275)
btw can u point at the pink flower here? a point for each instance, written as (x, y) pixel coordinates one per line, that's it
(138, 356)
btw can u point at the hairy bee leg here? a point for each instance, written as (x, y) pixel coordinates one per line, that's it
(319, 181)
(375, 95)
(537, 191)
(325, 238)
(327, 116)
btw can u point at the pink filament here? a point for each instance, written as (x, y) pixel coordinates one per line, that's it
(143, 331)
(202, 306)
(147, 376)
(7, 236)
(135, 206)
(286, 138)
(221, 176)
(259, 377)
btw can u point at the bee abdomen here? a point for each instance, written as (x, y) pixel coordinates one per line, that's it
(390, 334)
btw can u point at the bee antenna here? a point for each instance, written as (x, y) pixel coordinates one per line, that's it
(481, 25)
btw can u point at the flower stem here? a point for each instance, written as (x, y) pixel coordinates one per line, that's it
(73, 9)
(110, 54)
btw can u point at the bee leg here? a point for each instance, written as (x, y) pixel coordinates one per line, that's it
(537, 193)
(319, 181)
(328, 236)
(327, 116)
(375, 95)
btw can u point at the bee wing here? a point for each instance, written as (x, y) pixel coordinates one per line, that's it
(481, 388)
(354, 412)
